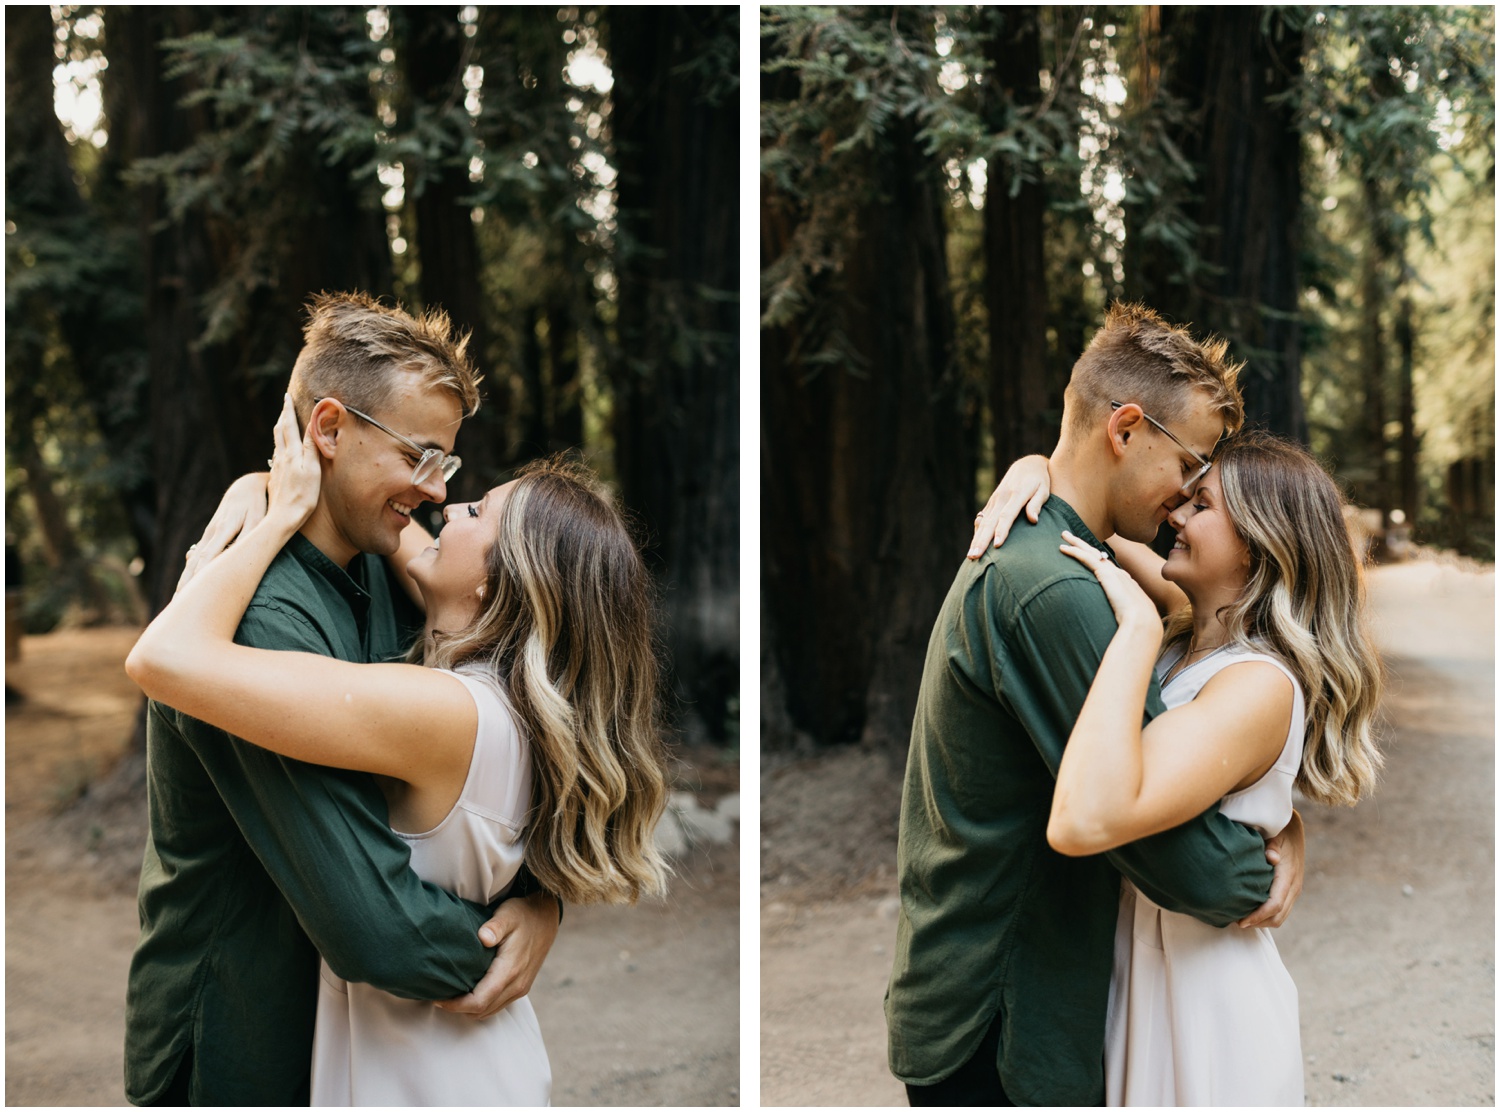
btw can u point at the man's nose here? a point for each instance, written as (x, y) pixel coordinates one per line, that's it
(434, 489)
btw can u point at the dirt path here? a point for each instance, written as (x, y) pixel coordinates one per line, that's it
(639, 1006)
(1392, 944)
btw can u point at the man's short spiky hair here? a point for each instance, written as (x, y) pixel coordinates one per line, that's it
(356, 349)
(1138, 357)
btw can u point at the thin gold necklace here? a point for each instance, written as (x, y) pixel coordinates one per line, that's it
(1182, 665)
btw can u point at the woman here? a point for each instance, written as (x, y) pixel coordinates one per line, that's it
(530, 725)
(1271, 682)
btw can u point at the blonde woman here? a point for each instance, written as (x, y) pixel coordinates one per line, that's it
(1271, 682)
(529, 726)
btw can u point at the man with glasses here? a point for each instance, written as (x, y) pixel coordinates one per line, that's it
(1004, 947)
(255, 864)
(1188, 486)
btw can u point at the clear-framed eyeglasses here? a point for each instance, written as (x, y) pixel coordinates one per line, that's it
(431, 461)
(1203, 464)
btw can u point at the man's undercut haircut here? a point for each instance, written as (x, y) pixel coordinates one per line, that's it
(357, 350)
(1138, 357)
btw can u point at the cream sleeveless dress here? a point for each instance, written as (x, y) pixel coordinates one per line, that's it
(372, 1048)
(1200, 1015)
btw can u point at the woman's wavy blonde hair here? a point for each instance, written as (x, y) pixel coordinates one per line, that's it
(568, 627)
(1304, 603)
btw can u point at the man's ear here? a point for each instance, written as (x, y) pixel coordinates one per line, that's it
(326, 423)
(1124, 422)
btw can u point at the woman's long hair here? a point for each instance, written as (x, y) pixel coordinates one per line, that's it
(568, 626)
(1304, 603)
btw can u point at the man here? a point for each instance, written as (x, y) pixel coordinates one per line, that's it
(255, 864)
(1004, 947)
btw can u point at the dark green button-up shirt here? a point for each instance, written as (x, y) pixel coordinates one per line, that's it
(256, 863)
(992, 919)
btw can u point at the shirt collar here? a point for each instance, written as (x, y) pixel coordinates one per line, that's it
(1076, 525)
(346, 583)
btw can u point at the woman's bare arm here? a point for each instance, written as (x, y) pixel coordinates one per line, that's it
(1118, 783)
(1144, 566)
(404, 721)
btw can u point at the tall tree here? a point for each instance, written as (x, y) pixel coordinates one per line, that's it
(1225, 79)
(1024, 396)
(436, 51)
(676, 369)
(74, 338)
(867, 438)
(1392, 97)
(242, 214)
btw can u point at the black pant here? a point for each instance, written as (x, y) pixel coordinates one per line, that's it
(976, 1083)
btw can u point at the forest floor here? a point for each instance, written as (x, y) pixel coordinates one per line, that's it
(1392, 944)
(638, 1006)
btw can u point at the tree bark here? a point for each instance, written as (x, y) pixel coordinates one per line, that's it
(867, 469)
(532, 423)
(98, 315)
(1247, 154)
(210, 410)
(1023, 395)
(1375, 490)
(435, 53)
(1410, 496)
(676, 374)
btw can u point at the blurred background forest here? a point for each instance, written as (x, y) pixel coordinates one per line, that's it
(952, 195)
(179, 180)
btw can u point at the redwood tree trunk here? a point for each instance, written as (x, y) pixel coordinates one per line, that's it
(676, 374)
(1023, 396)
(446, 244)
(99, 314)
(1410, 496)
(867, 470)
(335, 240)
(1247, 152)
(1376, 487)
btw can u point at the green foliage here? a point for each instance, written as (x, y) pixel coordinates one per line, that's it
(288, 112)
(280, 89)
(838, 82)
(74, 440)
(849, 75)
(1390, 89)
(1397, 105)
